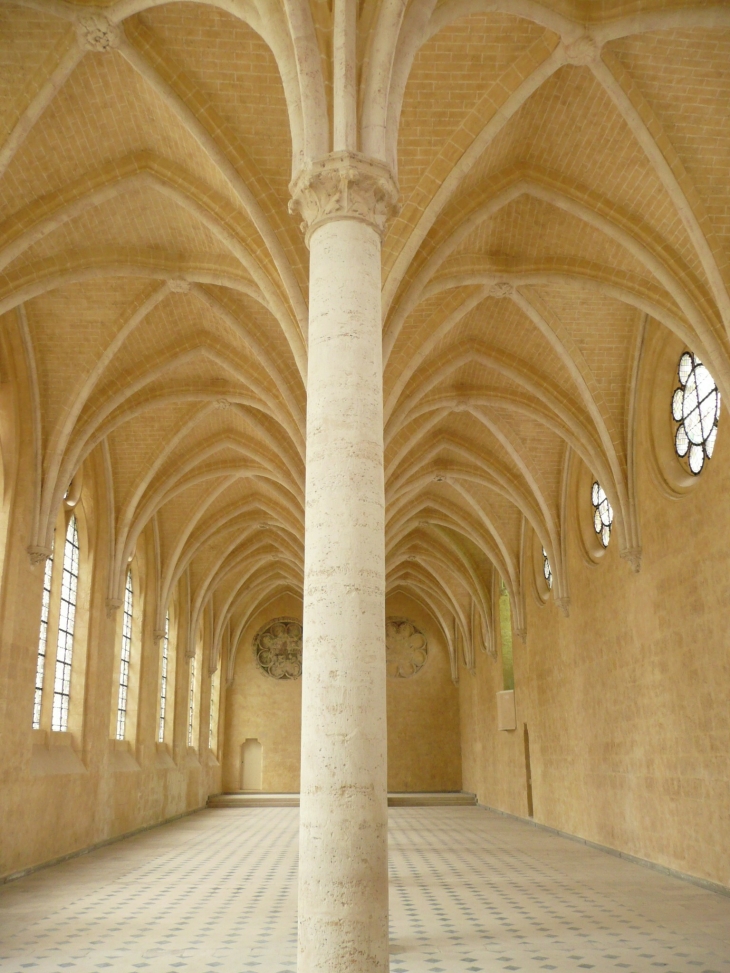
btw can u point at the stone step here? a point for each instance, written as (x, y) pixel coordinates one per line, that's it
(397, 799)
(432, 799)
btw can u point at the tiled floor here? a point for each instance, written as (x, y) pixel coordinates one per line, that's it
(471, 891)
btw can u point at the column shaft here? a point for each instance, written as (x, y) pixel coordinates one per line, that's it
(343, 879)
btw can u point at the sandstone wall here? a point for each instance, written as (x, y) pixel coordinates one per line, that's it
(423, 715)
(625, 700)
(261, 708)
(62, 792)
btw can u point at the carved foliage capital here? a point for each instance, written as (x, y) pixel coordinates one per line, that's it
(344, 186)
(38, 554)
(633, 556)
(563, 604)
(112, 605)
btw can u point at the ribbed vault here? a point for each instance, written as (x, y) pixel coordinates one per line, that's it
(561, 192)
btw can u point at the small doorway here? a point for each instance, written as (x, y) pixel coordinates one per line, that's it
(251, 765)
(528, 771)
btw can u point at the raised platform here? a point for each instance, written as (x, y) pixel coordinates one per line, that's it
(262, 799)
(432, 799)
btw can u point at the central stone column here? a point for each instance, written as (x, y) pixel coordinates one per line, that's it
(343, 843)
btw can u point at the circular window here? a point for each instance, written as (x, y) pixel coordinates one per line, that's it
(696, 409)
(602, 513)
(546, 569)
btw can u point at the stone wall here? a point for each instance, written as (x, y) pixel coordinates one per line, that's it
(625, 700)
(63, 792)
(423, 715)
(261, 708)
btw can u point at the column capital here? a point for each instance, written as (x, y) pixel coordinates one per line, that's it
(112, 605)
(38, 554)
(633, 556)
(344, 186)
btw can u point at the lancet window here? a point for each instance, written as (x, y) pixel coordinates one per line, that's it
(125, 657)
(191, 702)
(163, 678)
(505, 633)
(66, 625)
(40, 668)
(214, 703)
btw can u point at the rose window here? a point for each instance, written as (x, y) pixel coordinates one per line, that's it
(696, 407)
(278, 649)
(602, 513)
(546, 569)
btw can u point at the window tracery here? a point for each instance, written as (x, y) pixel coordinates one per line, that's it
(125, 657)
(163, 678)
(547, 571)
(42, 641)
(602, 513)
(214, 704)
(191, 702)
(505, 636)
(66, 625)
(278, 648)
(696, 409)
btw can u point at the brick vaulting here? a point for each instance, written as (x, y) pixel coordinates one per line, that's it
(564, 176)
(562, 233)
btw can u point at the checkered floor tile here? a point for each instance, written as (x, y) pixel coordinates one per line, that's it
(470, 891)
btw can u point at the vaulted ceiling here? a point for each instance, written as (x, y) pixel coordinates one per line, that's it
(564, 170)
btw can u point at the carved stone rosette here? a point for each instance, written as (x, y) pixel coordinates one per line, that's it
(501, 289)
(344, 186)
(582, 51)
(406, 648)
(96, 32)
(277, 648)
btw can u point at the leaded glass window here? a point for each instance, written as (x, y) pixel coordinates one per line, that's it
(213, 709)
(163, 678)
(505, 634)
(696, 407)
(191, 702)
(546, 569)
(125, 657)
(42, 642)
(66, 624)
(602, 513)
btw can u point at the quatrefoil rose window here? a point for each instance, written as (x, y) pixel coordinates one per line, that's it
(696, 407)
(547, 571)
(602, 513)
